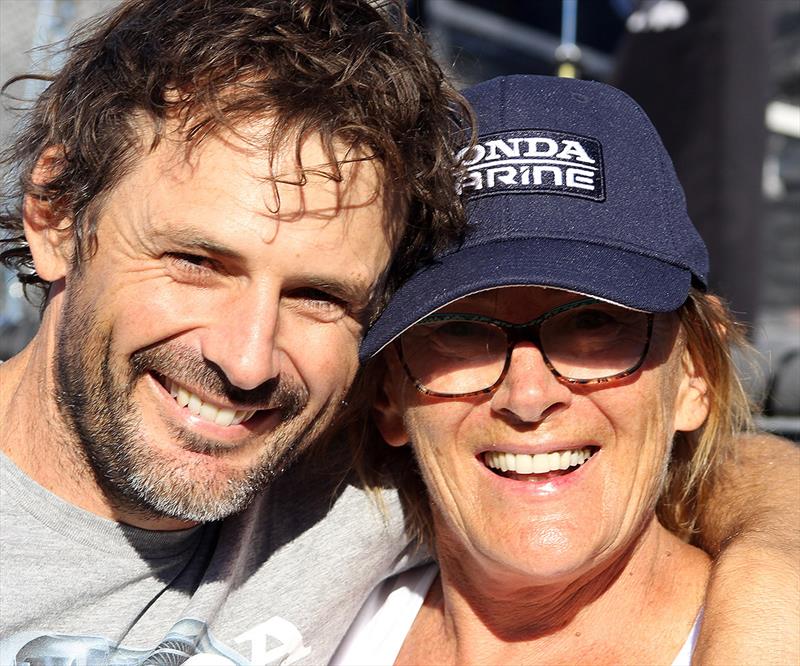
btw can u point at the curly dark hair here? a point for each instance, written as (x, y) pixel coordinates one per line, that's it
(351, 71)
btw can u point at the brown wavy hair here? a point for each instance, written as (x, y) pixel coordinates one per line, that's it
(711, 337)
(353, 72)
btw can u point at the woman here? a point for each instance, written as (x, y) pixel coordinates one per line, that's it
(566, 387)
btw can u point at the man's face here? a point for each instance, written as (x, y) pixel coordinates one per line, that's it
(215, 330)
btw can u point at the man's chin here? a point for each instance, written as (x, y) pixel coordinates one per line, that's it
(188, 491)
(174, 472)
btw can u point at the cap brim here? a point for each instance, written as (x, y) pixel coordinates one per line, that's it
(611, 274)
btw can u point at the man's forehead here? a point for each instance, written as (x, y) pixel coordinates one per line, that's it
(222, 198)
(232, 175)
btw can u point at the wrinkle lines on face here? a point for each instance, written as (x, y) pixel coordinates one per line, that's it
(97, 398)
(186, 366)
(515, 532)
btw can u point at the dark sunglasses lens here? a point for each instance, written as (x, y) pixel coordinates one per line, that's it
(455, 356)
(595, 341)
(587, 342)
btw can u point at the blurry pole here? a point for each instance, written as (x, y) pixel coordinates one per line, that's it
(568, 53)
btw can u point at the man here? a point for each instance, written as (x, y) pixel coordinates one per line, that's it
(212, 193)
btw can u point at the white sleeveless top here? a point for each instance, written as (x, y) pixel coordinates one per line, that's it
(382, 624)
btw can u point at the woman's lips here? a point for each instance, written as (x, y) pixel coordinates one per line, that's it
(537, 466)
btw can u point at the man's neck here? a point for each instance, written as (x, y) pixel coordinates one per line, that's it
(33, 433)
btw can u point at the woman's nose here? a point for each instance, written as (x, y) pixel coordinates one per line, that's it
(529, 391)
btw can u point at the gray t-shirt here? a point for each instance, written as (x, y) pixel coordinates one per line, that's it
(277, 584)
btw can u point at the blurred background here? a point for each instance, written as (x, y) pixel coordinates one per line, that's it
(719, 78)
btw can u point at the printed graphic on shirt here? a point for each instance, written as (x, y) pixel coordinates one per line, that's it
(189, 643)
(534, 161)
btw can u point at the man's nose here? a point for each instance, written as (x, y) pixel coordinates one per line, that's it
(529, 392)
(241, 339)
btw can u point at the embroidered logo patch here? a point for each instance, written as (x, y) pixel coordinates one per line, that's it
(535, 161)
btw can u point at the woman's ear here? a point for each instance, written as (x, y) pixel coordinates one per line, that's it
(48, 232)
(692, 403)
(386, 409)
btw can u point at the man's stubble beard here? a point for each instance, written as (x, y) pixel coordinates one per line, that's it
(96, 402)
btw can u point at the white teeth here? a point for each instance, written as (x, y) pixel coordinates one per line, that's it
(194, 404)
(223, 416)
(539, 463)
(241, 415)
(183, 397)
(524, 463)
(208, 412)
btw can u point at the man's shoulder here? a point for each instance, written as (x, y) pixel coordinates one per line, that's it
(312, 503)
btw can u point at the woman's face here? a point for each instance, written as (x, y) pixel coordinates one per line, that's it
(548, 527)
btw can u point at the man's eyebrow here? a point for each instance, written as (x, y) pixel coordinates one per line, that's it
(190, 240)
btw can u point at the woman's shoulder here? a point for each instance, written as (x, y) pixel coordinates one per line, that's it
(684, 657)
(378, 631)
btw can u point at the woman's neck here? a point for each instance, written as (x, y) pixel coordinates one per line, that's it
(476, 615)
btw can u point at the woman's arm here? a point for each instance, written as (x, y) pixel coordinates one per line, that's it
(751, 527)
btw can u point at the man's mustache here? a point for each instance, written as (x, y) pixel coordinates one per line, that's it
(186, 366)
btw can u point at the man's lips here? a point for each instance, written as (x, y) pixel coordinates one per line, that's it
(204, 408)
(537, 466)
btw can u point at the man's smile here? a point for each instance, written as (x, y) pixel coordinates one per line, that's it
(214, 416)
(206, 410)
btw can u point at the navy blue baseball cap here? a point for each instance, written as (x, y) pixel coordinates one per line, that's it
(569, 186)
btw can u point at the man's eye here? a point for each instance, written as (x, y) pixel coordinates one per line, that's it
(191, 262)
(318, 303)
